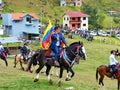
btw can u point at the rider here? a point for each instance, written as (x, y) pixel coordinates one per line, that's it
(113, 62)
(1, 48)
(56, 39)
(24, 51)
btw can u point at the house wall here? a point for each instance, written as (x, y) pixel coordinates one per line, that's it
(16, 28)
(0, 2)
(66, 21)
(84, 22)
(22, 26)
(7, 19)
(62, 3)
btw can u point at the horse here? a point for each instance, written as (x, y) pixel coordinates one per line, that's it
(105, 70)
(117, 53)
(19, 59)
(66, 60)
(4, 54)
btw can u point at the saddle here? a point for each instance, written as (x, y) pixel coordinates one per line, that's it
(109, 69)
(51, 55)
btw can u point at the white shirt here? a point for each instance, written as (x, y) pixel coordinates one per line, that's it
(1, 48)
(58, 42)
(112, 59)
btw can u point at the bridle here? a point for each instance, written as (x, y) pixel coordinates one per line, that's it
(67, 60)
(77, 51)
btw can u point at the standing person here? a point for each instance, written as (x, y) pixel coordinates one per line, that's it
(56, 40)
(113, 62)
(1, 48)
(24, 51)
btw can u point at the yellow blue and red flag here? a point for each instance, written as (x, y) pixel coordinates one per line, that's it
(47, 36)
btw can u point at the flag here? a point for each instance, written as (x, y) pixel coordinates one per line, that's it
(47, 36)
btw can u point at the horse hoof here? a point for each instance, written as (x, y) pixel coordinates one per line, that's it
(23, 69)
(35, 80)
(59, 84)
(51, 82)
(67, 79)
(14, 66)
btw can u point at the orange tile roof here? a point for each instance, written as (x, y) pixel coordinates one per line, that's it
(19, 16)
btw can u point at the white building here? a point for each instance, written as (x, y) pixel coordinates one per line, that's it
(0, 2)
(75, 20)
(77, 2)
(62, 3)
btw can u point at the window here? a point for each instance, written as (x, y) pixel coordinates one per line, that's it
(84, 24)
(64, 18)
(28, 19)
(73, 18)
(67, 18)
(84, 18)
(73, 25)
(79, 19)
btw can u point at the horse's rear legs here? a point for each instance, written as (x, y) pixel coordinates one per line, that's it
(101, 80)
(6, 62)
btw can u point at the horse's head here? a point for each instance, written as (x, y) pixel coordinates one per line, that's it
(76, 48)
(6, 51)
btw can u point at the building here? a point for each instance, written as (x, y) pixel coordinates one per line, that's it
(62, 3)
(20, 25)
(77, 2)
(75, 20)
(0, 2)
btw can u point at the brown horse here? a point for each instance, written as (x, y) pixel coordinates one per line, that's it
(19, 59)
(104, 70)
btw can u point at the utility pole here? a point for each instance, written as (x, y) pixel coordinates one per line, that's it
(41, 15)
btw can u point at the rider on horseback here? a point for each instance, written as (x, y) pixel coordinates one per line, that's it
(1, 48)
(56, 39)
(113, 63)
(24, 51)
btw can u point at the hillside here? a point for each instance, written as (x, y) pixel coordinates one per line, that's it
(51, 8)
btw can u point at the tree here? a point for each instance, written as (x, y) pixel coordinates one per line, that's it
(88, 9)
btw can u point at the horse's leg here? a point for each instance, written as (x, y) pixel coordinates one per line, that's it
(15, 62)
(21, 65)
(101, 80)
(56, 70)
(69, 78)
(48, 67)
(118, 84)
(6, 63)
(38, 72)
(60, 76)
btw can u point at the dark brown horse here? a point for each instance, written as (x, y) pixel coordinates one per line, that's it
(4, 54)
(104, 70)
(66, 61)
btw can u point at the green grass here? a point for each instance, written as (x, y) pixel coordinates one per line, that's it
(84, 79)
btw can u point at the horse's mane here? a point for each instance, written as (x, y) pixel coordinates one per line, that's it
(74, 43)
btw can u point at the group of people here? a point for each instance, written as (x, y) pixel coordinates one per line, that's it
(55, 45)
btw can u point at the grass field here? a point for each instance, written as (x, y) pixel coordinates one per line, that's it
(84, 79)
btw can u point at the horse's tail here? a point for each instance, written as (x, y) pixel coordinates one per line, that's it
(97, 74)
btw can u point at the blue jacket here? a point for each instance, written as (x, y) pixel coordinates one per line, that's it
(24, 50)
(54, 40)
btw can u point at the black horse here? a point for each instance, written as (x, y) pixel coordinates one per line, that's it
(4, 54)
(117, 53)
(67, 59)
